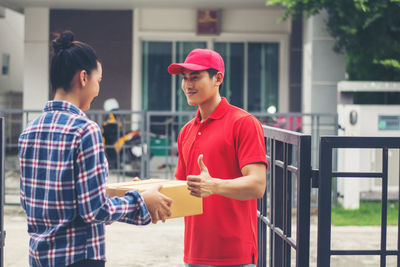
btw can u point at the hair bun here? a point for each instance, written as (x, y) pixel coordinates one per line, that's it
(63, 41)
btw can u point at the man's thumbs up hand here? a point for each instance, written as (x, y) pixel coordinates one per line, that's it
(201, 185)
(203, 167)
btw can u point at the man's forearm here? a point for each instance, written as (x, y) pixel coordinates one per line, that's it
(249, 186)
(242, 188)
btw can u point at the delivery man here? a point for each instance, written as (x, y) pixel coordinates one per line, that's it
(222, 156)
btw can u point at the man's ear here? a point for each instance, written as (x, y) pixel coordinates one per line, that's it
(220, 77)
(83, 77)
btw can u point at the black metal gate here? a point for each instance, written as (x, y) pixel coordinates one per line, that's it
(289, 181)
(327, 145)
(2, 187)
(289, 156)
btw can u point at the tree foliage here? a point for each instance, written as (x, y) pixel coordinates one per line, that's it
(368, 31)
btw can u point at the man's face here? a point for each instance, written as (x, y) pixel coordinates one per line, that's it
(199, 87)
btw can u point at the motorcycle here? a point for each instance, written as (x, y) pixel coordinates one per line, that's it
(123, 149)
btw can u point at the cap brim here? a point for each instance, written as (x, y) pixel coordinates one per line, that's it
(178, 68)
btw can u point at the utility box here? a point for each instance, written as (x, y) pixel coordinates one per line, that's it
(367, 109)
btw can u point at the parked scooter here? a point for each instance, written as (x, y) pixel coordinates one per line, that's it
(123, 149)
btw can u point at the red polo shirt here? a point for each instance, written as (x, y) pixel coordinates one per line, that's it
(226, 232)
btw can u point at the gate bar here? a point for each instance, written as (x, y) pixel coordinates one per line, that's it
(326, 175)
(281, 171)
(2, 191)
(385, 159)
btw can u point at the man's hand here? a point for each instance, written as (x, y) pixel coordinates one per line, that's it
(157, 204)
(201, 185)
(250, 185)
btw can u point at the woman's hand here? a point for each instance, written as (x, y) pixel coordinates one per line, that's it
(157, 204)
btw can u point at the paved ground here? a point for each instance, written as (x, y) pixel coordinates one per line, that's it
(162, 244)
(158, 244)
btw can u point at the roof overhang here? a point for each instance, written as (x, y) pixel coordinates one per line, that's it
(19, 5)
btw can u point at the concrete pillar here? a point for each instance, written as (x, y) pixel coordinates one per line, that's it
(11, 44)
(136, 63)
(136, 96)
(322, 70)
(36, 62)
(322, 67)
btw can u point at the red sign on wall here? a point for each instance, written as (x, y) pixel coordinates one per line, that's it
(208, 21)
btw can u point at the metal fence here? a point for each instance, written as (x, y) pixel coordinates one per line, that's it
(2, 188)
(123, 136)
(327, 174)
(287, 193)
(144, 144)
(289, 154)
(287, 198)
(162, 130)
(163, 127)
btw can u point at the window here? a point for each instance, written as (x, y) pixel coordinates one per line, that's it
(233, 86)
(251, 74)
(5, 69)
(263, 73)
(156, 81)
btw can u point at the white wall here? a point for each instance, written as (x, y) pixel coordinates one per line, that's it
(36, 61)
(167, 23)
(365, 160)
(12, 43)
(232, 20)
(322, 67)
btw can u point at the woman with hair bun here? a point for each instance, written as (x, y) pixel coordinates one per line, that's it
(64, 169)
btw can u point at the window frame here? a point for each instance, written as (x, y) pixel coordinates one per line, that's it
(165, 36)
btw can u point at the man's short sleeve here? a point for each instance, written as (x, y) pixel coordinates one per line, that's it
(250, 144)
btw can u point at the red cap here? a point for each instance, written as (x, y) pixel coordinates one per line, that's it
(199, 59)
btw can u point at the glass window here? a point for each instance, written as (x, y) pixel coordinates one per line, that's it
(263, 76)
(182, 50)
(261, 72)
(5, 64)
(232, 87)
(156, 81)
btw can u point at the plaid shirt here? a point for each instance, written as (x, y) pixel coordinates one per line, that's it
(63, 175)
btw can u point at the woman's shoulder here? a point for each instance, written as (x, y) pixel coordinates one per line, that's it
(87, 125)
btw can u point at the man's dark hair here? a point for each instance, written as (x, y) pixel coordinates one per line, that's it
(69, 57)
(212, 72)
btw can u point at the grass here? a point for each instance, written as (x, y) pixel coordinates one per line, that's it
(368, 214)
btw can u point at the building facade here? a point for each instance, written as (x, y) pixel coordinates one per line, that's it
(270, 65)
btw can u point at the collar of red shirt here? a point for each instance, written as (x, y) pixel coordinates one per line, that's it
(218, 113)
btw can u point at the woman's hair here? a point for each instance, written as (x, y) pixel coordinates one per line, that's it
(70, 56)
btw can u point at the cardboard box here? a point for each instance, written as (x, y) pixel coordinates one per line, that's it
(183, 204)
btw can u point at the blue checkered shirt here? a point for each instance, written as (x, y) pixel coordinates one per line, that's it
(63, 175)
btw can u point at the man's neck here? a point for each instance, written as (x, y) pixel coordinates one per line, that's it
(207, 108)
